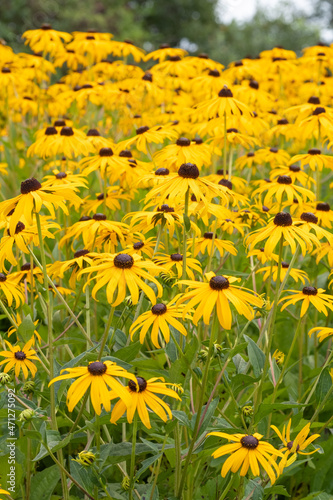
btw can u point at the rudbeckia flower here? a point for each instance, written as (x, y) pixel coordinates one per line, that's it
(175, 260)
(159, 318)
(125, 49)
(272, 271)
(324, 214)
(64, 179)
(309, 222)
(293, 447)
(145, 136)
(120, 271)
(31, 200)
(20, 359)
(184, 151)
(187, 178)
(204, 245)
(164, 214)
(323, 332)
(143, 246)
(223, 104)
(272, 156)
(165, 51)
(142, 394)
(284, 187)
(81, 259)
(218, 291)
(282, 225)
(11, 290)
(104, 161)
(113, 195)
(309, 127)
(315, 159)
(294, 172)
(309, 295)
(248, 451)
(46, 40)
(98, 375)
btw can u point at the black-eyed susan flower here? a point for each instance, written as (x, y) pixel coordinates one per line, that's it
(279, 357)
(259, 253)
(122, 271)
(282, 225)
(223, 104)
(184, 151)
(205, 245)
(64, 179)
(174, 262)
(314, 158)
(294, 172)
(111, 201)
(143, 246)
(147, 135)
(165, 51)
(11, 290)
(81, 258)
(143, 394)
(272, 271)
(283, 188)
(85, 458)
(247, 451)
(309, 222)
(98, 376)
(20, 359)
(292, 447)
(164, 214)
(186, 179)
(324, 214)
(322, 332)
(3, 492)
(31, 200)
(46, 39)
(159, 319)
(219, 292)
(309, 295)
(105, 161)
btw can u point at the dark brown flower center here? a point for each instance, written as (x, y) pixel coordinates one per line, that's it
(176, 257)
(97, 368)
(219, 283)
(310, 290)
(208, 236)
(123, 261)
(138, 245)
(147, 77)
(159, 309)
(314, 100)
(249, 442)
(183, 141)
(46, 27)
(80, 253)
(50, 131)
(188, 171)
(174, 58)
(165, 208)
(27, 267)
(61, 175)
(141, 130)
(29, 185)
(20, 355)
(225, 92)
(323, 207)
(3, 277)
(309, 217)
(274, 150)
(19, 227)
(84, 218)
(162, 171)
(139, 387)
(294, 168)
(283, 121)
(314, 151)
(59, 123)
(125, 153)
(99, 217)
(254, 84)
(319, 111)
(5, 70)
(105, 152)
(214, 73)
(284, 179)
(291, 444)
(225, 183)
(250, 154)
(93, 133)
(285, 265)
(67, 131)
(283, 219)
(198, 141)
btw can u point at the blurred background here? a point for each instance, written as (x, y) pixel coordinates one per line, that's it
(226, 30)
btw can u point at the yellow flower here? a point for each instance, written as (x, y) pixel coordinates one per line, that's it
(159, 318)
(118, 271)
(271, 271)
(145, 135)
(85, 458)
(175, 260)
(284, 187)
(219, 292)
(105, 161)
(323, 332)
(46, 40)
(278, 356)
(223, 104)
(204, 245)
(20, 359)
(309, 295)
(142, 394)
(10, 288)
(314, 159)
(98, 375)
(292, 447)
(247, 451)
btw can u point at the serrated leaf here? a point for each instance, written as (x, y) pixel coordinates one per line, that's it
(256, 356)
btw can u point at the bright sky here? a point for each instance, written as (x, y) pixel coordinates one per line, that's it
(242, 10)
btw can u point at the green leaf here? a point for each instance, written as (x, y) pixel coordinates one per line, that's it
(83, 475)
(182, 418)
(266, 409)
(239, 348)
(324, 385)
(277, 489)
(43, 483)
(129, 352)
(256, 356)
(54, 443)
(26, 329)
(145, 464)
(240, 363)
(253, 490)
(210, 412)
(318, 495)
(240, 382)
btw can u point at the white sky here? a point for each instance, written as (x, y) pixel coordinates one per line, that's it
(242, 10)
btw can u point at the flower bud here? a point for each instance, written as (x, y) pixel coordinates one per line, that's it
(85, 458)
(5, 378)
(29, 387)
(26, 415)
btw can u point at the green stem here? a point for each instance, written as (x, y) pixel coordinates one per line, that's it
(228, 487)
(185, 219)
(106, 332)
(158, 468)
(225, 146)
(135, 427)
(7, 313)
(322, 404)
